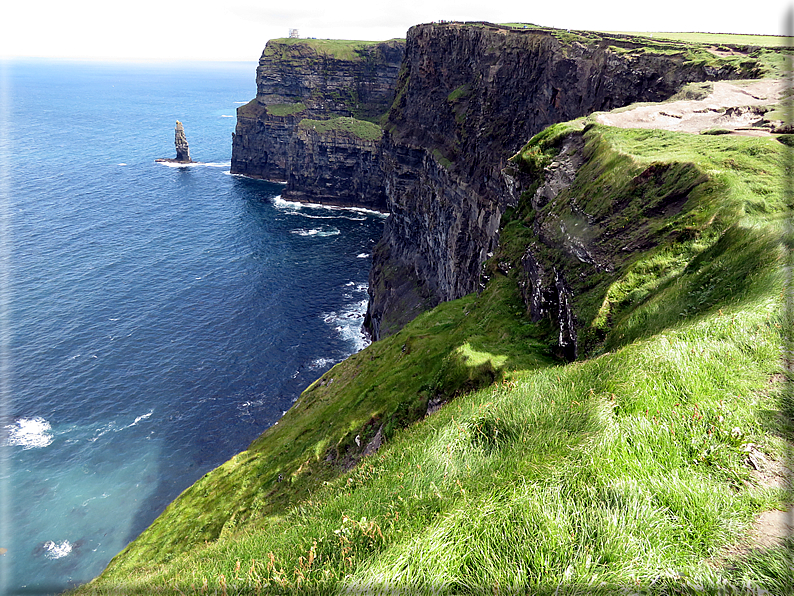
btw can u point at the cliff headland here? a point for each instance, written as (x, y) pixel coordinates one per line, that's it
(576, 386)
(349, 86)
(456, 101)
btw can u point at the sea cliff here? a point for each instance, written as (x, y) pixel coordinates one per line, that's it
(467, 99)
(299, 81)
(463, 452)
(456, 101)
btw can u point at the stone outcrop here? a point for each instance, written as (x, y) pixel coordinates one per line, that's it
(468, 97)
(182, 149)
(180, 141)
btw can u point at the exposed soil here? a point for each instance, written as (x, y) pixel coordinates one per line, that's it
(732, 106)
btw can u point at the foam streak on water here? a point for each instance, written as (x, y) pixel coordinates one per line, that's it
(156, 319)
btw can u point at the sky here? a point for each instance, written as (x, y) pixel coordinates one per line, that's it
(146, 30)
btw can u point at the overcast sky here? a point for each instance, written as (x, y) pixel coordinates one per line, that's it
(239, 29)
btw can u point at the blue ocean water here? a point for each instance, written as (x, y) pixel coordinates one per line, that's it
(154, 319)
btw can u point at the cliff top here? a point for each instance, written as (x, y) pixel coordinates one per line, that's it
(745, 107)
(341, 49)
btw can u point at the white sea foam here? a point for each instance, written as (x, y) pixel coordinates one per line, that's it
(196, 164)
(242, 103)
(317, 232)
(172, 164)
(87, 501)
(142, 417)
(57, 550)
(29, 433)
(112, 426)
(320, 363)
(280, 203)
(310, 216)
(348, 321)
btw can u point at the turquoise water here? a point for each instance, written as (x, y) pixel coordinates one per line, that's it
(155, 318)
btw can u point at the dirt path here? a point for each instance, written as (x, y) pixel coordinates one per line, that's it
(734, 106)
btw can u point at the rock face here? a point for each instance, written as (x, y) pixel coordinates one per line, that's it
(303, 80)
(334, 164)
(180, 140)
(468, 97)
(182, 149)
(461, 100)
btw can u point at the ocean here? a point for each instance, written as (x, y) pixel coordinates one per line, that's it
(154, 318)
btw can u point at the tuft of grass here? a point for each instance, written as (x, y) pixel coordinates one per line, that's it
(362, 129)
(285, 109)
(458, 93)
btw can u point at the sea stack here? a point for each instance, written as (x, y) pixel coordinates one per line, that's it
(182, 149)
(180, 140)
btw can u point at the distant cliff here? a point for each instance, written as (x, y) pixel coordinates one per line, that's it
(456, 101)
(300, 81)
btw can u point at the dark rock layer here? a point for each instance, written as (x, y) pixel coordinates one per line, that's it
(335, 167)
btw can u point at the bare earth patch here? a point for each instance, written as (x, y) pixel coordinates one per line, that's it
(732, 106)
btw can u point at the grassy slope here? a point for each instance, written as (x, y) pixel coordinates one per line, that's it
(626, 468)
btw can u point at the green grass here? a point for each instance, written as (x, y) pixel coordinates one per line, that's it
(458, 92)
(362, 129)
(734, 39)
(341, 49)
(285, 109)
(625, 470)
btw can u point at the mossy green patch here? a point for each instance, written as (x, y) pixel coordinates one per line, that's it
(285, 109)
(458, 93)
(362, 129)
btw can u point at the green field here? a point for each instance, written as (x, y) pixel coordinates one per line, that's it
(341, 49)
(734, 39)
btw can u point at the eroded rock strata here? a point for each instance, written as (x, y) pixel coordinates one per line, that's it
(182, 148)
(336, 162)
(303, 80)
(463, 99)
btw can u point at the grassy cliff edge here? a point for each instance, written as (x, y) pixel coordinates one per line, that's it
(635, 467)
